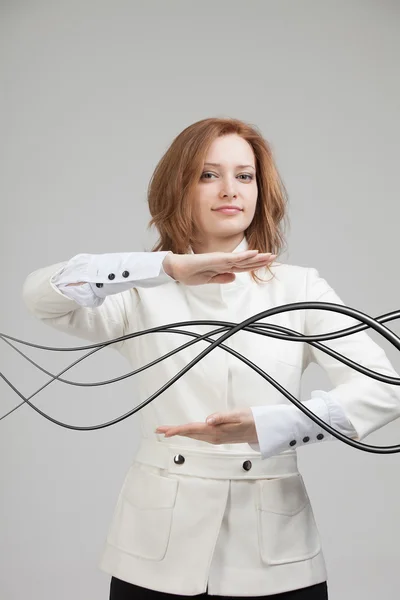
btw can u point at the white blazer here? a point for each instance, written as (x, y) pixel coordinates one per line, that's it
(190, 514)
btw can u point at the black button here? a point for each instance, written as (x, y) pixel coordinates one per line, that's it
(247, 465)
(293, 443)
(306, 439)
(99, 285)
(320, 436)
(125, 274)
(111, 276)
(179, 459)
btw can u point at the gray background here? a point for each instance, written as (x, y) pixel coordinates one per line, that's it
(92, 93)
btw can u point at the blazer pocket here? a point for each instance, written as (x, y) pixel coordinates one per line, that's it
(286, 526)
(142, 519)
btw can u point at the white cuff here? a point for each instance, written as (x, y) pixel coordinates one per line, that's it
(107, 274)
(283, 427)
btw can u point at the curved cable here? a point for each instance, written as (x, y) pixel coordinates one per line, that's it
(228, 329)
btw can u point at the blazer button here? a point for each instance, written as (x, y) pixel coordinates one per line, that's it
(111, 276)
(320, 436)
(125, 274)
(306, 439)
(99, 285)
(247, 465)
(179, 459)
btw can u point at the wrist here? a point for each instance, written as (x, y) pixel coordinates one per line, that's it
(168, 264)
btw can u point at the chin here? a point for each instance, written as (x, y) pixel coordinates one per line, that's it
(230, 229)
(226, 234)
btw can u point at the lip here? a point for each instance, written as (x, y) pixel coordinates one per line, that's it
(228, 209)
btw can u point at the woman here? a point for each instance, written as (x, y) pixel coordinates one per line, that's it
(230, 518)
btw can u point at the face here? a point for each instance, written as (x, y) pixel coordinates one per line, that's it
(226, 194)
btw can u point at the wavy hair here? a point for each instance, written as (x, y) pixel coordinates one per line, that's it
(176, 175)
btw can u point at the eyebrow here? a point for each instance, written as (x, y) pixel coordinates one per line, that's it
(237, 166)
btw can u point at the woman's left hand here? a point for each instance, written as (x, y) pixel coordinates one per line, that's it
(234, 427)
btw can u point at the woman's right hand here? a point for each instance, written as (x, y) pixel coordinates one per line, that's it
(213, 267)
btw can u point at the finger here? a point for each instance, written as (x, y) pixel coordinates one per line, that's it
(236, 260)
(223, 418)
(244, 255)
(228, 263)
(249, 267)
(187, 428)
(250, 264)
(224, 258)
(229, 258)
(167, 430)
(267, 257)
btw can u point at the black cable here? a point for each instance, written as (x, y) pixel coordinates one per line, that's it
(230, 329)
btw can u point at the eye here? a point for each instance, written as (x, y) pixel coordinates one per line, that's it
(203, 175)
(247, 175)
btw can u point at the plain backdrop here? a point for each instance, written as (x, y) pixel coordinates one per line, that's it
(92, 94)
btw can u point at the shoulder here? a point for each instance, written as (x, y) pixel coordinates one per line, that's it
(303, 281)
(288, 274)
(286, 271)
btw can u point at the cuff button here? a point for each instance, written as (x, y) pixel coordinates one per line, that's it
(320, 436)
(293, 443)
(111, 276)
(99, 285)
(306, 439)
(125, 274)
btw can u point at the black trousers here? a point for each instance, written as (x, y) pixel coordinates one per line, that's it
(121, 590)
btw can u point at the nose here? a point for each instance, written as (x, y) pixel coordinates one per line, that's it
(228, 188)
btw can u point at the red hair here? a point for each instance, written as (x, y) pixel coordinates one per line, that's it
(179, 170)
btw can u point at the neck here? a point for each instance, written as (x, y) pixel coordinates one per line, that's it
(217, 244)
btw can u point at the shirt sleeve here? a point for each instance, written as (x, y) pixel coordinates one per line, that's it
(367, 403)
(104, 307)
(356, 405)
(284, 427)
(107, 274)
